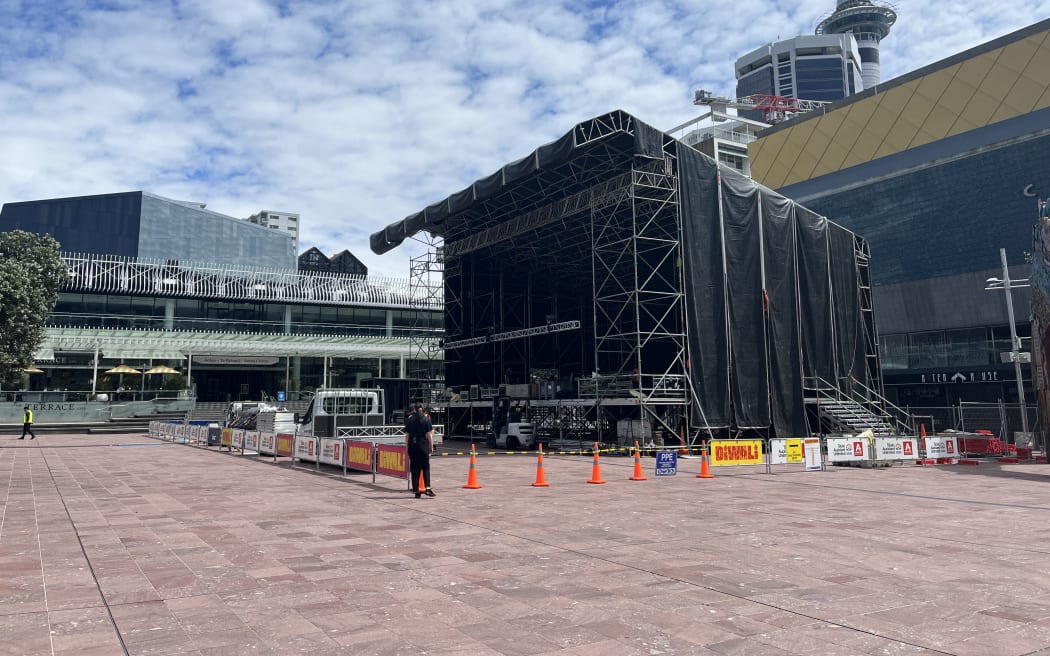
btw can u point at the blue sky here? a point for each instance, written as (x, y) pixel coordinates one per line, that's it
(357, 113)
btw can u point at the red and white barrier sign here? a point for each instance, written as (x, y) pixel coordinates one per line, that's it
(847, 449)
(267, 444)
(251, 441)
(331, 452)
(238, 438)
(941, 447)
(306, 448)
(896, 448)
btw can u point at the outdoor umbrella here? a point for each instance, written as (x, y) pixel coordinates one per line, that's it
(123, 369)
(161, 369)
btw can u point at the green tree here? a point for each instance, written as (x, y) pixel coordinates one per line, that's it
(31, 273)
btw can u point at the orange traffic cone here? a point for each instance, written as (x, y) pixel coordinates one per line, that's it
(596, 470)
(422, 482)
(705, 468)
(541, 478)
(472, 477)
(638, 474)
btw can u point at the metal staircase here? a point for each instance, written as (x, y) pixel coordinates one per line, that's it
(843, 416)
(852, 407)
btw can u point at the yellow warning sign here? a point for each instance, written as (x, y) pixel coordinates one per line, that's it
(736, 452)
(793, 450)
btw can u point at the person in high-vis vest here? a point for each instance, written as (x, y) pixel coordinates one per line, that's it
(27, 423)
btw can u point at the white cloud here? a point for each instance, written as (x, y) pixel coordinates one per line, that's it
(356, 113)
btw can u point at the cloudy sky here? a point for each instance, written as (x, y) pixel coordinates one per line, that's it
(355, 113)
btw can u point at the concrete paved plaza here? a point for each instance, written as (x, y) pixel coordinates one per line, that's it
(170, 549)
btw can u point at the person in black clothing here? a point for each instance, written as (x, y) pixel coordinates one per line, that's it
(419, 439)
(27, 423)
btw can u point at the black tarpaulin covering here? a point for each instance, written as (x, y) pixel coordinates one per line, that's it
(705, 285)
(771, 296)
(748, 387)
(785, 361)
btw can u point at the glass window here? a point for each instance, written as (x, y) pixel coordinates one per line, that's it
(969, 346)
(928, 350)
(893, 351)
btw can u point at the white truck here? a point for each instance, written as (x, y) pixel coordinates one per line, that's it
(346, 414)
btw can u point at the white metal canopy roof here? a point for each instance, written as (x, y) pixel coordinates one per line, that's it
(176, 345)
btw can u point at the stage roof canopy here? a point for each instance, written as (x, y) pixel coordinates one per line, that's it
(578, 160)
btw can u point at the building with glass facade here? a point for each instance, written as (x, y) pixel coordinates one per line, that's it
(814, 67)
(938, 170)
(140, 224)
(234, 332)
(154, 281)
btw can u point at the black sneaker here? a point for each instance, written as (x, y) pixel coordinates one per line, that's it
(430, 493)
(418, 495)
(22, 438)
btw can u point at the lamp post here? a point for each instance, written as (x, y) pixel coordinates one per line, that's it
(1015, 342)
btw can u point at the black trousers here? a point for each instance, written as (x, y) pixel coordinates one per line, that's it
(419, 461)
(28, 428)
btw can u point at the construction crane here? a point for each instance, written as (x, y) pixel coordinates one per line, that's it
(774, 108)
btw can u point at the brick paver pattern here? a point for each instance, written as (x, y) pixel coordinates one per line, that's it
(170, 549)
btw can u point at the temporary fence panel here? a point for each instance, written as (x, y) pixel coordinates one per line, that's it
(267, 444)
(736, 452)
(285, 445)
(848, 449)
(391, 460)
(237, 441)
(941, 447)
(786, 451)
(813, 455)
(305, 448)
(896, 448)
(331, 451)
(360, 455)
(227, 437)
(251, 441)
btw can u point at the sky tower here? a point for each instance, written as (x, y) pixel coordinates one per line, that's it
(869, 21)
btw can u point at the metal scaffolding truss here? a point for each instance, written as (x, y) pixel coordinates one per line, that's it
(155, 277)
(638, 288)
(427, 290)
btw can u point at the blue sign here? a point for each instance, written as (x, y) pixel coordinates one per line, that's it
(280, 396)
(666, 463)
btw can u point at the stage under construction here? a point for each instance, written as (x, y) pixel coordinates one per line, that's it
(617, 284)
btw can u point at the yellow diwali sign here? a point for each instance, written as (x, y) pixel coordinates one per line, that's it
(736, 452)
